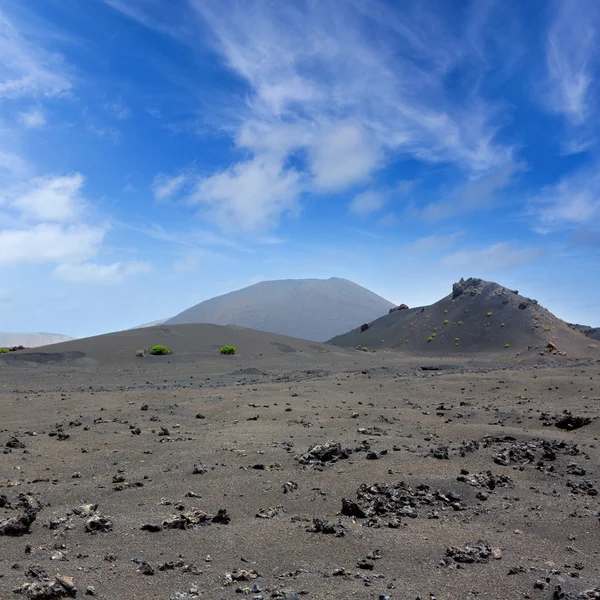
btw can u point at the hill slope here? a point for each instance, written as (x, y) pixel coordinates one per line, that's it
(197, 341)
(591, 332)
(479, 316)
(31, 340)
(312, 309)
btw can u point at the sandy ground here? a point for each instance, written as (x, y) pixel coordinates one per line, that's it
(147, 440)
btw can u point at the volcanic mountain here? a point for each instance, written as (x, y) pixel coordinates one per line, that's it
(30, 340)
(478, 316)
(312, 309)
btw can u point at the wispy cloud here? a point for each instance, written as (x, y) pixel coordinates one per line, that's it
(574, 202)
(49, 243)
(367, 203)
(98, 274)
(27, 70)
(571, 56)
(33, 119)
(497, 257)
(480, 193)
(432, 243)
(50, 199)
(166, 187)
(332, 94)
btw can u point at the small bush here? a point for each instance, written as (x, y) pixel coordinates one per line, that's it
(430, 339)
(490, 314)
(457, 339)
(228, 350)
(446, 321)
(434, 335)
(502, 325)
(4, 350)
(507, 345)
(140, 353)
(460, 323)
(446, 312)
(159, 350)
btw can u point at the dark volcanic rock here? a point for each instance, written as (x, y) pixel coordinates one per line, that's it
(471, 286)
(477, 552)
(321, 454)
(570, 422)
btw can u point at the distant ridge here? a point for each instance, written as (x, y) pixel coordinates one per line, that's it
(312, 309)
(31, 340)
(591, 332)
(478, 316)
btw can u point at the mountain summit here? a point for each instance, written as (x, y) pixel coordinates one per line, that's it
(478, 316)
(312, 309)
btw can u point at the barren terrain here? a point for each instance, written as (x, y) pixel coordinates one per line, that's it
(296, 470)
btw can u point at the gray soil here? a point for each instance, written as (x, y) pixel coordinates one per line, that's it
(472, 476)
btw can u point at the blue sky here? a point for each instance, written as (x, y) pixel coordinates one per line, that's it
(156, 153)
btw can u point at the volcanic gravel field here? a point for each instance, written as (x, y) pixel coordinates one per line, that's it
(295, 470)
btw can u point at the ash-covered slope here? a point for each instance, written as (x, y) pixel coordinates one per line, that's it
(591, 332)
(190, 342)
(312, 309)
(31, 340)
(478, 316)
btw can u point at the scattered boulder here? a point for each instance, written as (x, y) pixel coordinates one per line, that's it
(551, 347)
(397, 500)
(98, 524)
(196, 518)
(486, 480)
(48, 588)
(321, 454)
(397, 308)
(570, 422)
(476, 552)
(327, 528)
(364, 327)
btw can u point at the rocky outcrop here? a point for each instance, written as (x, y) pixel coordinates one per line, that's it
(472, 287)
(397, 308)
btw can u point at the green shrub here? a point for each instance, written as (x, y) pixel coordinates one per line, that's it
(159, 350)
(4, 350)
(140, 353)
(430, 339)
(228, 350)
(446, 321)
(507, 345)
(489, 314)
(502, 325)
(460, 322)
(434, 335)
(446, 312)
(457, 339)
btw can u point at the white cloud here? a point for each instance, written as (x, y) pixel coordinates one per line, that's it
(33, 119)
(94, 273)
(493, 258)
(166, 187)
(571, 54)
(573, 201)
(26, 70)
(51, 198)
(346, 155)
(334, 93)
(431, 244)
(367, 203)
(49, 243)
(249, 196)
